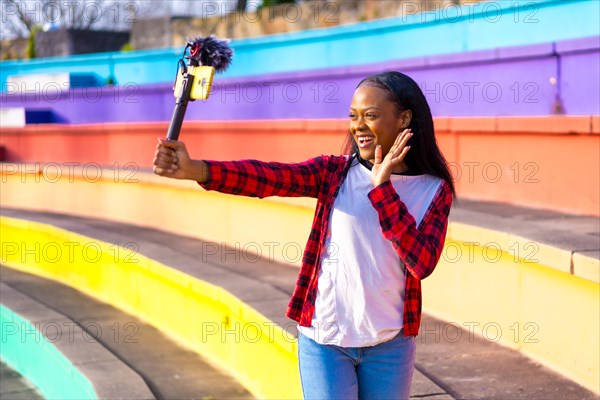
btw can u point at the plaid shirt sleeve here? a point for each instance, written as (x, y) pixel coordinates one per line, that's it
(263, 179)
(418, 247)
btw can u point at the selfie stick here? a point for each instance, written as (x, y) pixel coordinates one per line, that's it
(194, 79)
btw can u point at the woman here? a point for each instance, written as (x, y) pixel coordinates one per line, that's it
(379, 228)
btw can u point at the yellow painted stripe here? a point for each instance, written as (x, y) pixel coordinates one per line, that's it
(549, 315)
(200, 316)
(498, 286)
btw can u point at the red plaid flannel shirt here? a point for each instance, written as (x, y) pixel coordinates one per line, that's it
(321, 177)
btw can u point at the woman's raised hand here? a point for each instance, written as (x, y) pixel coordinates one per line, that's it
(383, 167)
(172, 160)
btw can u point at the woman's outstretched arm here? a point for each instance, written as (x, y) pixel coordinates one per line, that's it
(248, 177)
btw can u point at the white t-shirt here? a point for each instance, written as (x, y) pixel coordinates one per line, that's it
(360, 291)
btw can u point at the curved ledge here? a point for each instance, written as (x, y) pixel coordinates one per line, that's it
(520, 164)
(137, 285)
(118, 195)
(62, 365)
(487, 278)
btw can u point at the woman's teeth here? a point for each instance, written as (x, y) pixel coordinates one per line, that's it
(364, 141)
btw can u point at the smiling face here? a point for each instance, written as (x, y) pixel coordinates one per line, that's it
(375, 120)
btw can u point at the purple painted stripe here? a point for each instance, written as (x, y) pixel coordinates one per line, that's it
(588, 43)
(463, 58)
(499, 54)
(580, 86)
(504, 83)
(535, 50)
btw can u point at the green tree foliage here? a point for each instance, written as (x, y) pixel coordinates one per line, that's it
(31, 41)
(271, 3)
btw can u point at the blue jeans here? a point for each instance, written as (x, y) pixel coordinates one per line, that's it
(379, 372)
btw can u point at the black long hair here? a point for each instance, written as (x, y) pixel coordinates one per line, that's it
(424, 156)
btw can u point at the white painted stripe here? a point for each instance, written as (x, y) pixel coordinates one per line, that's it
(12, 117)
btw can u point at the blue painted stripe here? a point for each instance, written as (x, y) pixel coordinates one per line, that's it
(30, 353)
(479, 26)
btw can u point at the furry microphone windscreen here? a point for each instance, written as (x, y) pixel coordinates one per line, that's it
(212, 52)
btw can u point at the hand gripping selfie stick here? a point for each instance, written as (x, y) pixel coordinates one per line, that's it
(194, 79)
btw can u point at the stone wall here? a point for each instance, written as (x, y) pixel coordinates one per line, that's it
(168, 31)
(64, 42)
(174, 31)
(152, 33)
(13, 49)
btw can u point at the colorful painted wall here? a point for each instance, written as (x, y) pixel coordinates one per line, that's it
(506, 159)
(543, 79)
(465, 288)
(515, 92)
(453, 29)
